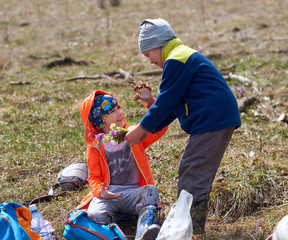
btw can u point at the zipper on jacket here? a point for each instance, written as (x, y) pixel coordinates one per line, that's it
(186, 108)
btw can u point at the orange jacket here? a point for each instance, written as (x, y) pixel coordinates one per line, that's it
(96, 158)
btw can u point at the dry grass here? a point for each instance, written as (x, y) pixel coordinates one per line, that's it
(41, 130)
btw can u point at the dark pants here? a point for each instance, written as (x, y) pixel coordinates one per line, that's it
(200, 162)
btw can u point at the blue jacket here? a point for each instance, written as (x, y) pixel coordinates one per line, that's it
(192, 90)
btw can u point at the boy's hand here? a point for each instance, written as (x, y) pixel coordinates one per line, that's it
(136, 136)
(143, 92)
(105, 194)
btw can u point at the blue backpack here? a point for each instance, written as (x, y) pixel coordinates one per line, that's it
(80, 227)
(15, 222)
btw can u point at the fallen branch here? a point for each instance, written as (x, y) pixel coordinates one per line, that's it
(228, 70)
(142, 73)
(114, 76)
(243, 80)
(148, 73)
(267, 110)
(246, 101)
(283, 118)
(19, 83)
(127, 76)
(93, 77)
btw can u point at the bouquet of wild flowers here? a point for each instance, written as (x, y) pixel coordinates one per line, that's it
(115, 136)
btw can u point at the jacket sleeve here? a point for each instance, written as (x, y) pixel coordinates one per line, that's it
(96, 176)
(169, 119)
(175, 82)
(153, 137)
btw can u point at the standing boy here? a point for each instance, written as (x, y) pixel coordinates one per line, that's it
(194, 91)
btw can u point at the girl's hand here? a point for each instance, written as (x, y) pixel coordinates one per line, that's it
(143, 92)
(105, 194)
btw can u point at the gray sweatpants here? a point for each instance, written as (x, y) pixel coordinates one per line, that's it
(200, 162)
(134, 199)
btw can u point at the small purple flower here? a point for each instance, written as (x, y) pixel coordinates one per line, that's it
(100, 136)
(114, 133)
(236, 88)
(241, 91)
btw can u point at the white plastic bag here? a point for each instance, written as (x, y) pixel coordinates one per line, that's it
(178, 224)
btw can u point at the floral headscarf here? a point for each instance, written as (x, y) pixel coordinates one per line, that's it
(103, 104)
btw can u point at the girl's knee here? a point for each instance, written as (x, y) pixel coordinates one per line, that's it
(150, 194)
(151, 187)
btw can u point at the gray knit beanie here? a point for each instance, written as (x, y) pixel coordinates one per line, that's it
(154, 33)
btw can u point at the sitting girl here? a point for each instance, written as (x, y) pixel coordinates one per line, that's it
(120, 178)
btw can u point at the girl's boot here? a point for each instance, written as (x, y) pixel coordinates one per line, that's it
(146, 229)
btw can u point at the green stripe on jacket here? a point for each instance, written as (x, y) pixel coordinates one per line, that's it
(182, 53)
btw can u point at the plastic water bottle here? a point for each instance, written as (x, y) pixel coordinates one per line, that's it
(38, 223)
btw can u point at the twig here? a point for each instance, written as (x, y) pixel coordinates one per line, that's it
(148, 73)
(127, 76)
(239, 78)
(246, 101)
(245, 81)
(111, 74)
(19, 83)
(283, 118)
(266, 108)
(228, 70)
(93, 77)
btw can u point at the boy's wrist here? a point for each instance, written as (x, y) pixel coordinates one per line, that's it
(149, 101)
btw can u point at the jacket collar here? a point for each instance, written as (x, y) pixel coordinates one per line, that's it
(169, 47)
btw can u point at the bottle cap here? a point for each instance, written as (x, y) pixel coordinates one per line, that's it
(32, 207)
